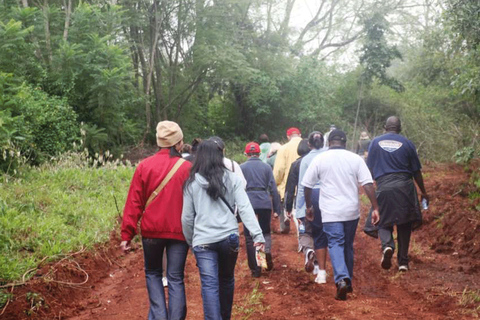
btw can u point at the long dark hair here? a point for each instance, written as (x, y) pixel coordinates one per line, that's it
(209, 164)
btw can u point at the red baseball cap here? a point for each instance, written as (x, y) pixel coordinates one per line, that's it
(252, 147)
(292, 130)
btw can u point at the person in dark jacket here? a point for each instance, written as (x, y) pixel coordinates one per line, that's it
(260, 187)
(161, 224)
(394, 163)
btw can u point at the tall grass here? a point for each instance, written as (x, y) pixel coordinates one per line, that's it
(57, 209)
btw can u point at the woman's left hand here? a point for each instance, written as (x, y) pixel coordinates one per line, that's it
(259, 245)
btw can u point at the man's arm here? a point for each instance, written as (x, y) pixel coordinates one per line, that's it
(419, 180)
(370, 191)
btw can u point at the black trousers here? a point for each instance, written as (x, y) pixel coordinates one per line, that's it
(264, 217)
(404, 231)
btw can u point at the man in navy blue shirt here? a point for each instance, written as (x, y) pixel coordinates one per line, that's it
(394, 164)
(261, 188)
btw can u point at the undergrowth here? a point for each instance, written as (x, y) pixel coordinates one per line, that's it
(250, 304)
(56, 209)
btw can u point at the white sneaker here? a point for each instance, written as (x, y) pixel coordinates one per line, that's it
(316, 270)
(403, 268)
(165, 281)
(321, 277)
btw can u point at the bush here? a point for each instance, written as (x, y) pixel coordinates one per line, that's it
(33, 122)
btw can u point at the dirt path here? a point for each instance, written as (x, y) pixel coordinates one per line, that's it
(430, 290)
(444, 272)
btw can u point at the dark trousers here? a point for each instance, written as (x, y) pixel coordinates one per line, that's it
(404, 231)
(176, 255)
(264, 217)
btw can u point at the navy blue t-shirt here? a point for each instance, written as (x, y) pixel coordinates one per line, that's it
(392, 153)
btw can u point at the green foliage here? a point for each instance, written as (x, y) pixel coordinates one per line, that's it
(36, 124)
(57, 209)
(4, 298)
(376, 54)
(465, 155)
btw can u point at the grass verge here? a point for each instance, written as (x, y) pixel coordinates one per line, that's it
(54, 210)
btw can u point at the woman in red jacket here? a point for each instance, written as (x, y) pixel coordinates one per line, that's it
(156, 196)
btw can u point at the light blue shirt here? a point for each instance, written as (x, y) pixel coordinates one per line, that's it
(300, 201)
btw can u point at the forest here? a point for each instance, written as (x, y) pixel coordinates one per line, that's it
(99, 75)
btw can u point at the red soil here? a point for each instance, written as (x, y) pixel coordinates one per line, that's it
(445, 265)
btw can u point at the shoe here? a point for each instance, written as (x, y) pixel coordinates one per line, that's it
(316, 269)
(269, 258)
(321, 277)
(403, 268)
(349, 285)
(309, 257)
(257, 273)
(165, 281)
(387, 258)
(341, 290)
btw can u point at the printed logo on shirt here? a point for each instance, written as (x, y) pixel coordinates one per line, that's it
(390, 145)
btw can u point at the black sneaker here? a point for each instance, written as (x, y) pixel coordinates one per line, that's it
(342, 290)
(349, 285)
(387, 258)
(269, 261)
(257, 273)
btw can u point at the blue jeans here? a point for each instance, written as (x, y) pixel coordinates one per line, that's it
(340, 237)
(176, 256)
(216, 263)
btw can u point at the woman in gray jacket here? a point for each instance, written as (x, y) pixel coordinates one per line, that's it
(211, 228)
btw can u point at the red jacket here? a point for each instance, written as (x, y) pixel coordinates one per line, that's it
(162, 218)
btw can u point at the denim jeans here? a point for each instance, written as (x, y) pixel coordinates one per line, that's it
(216, 263)
(340, 237)
(176, 257)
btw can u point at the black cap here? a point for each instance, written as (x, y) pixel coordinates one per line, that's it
(337, 135)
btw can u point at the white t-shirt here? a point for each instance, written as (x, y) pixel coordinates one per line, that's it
(339, 172)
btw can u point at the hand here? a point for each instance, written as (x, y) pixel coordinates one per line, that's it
(375, 217)
(125, 246)
(425, 196)
(260, 246)
(309, 214)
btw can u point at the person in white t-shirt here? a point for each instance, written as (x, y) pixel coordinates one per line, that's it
(339, 172)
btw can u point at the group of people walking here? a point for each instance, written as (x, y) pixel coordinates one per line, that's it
(198, 201)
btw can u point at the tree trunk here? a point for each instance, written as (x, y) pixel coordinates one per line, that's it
(360, 96)
(68, 13)
(47, 32)
(151, 62)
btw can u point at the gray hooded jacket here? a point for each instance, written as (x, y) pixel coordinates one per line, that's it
(206, 221)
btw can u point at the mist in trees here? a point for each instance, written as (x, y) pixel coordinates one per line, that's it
(235, 68)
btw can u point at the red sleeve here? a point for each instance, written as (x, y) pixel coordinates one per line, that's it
(134, 206)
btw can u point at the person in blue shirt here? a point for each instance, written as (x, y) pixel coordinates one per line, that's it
(394, 164)
(261, 190)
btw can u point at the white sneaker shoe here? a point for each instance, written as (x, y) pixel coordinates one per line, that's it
(316, 270)
(321, 277)
(165, 281)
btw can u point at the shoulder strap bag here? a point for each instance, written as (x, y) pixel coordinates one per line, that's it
(234, 211)
(164, 181)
